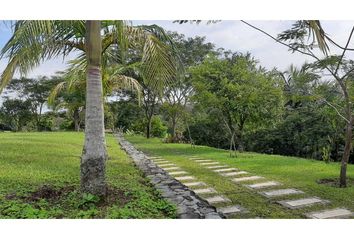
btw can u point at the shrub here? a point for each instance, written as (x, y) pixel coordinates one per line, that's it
(158, 128)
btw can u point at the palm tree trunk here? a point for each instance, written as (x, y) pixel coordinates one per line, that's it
(94, 153)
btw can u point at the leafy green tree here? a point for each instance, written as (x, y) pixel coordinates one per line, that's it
(16, 113)
(243, 96)
(340, 70)
(304, 37)
(192, 51)
(36, 91)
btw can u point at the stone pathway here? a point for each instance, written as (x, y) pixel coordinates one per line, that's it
(209, 194)
(303, 202)
(217, 199)
(205, 191)
(263, 185)
(189, 205)
(175, 187)
(226, 171)
(194, 184)
(215, 167)
(231, 174)
(244, 179)
(178, 173)
(280, 192)
(333, 213)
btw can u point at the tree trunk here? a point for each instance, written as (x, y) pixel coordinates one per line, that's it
(173, 134)
(232, 149)
(77, 120)
(94, 153)
(348, 136)
(241, 147)
(40, 117)
(148, 127)
(346, 153)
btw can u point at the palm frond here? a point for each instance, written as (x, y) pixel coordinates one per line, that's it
(7, 74)
(158, 64)
(119, 82)
(319, 34)
(35, 41)
(55, 92)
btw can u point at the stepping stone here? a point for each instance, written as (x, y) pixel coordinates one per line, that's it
(225, 170)
(333, 213)
(214, 167)
(194, 184)
(209, 163)
(154, 157)
(195, 158)
(185, 178)
(251, 178)
(230, 209)
(161, 162)
(171, 168)
(167, 165)
(263, 185)
(177, 173)
(304, 202)
(205, 190)
(230, 174)
(217, 199)
(280, 192)
(200, 161)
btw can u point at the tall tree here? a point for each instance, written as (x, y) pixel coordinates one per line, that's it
(16, 113)
(94, 154)
(35, 41)
(192, 51)
(304, 37)
(240, 94)
(36, 91)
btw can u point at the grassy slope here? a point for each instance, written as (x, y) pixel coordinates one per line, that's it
(30, 160)
(292, 172)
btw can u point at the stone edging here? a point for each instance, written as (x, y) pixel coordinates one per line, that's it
(189, 205)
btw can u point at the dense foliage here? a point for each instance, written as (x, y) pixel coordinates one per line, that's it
(223, 99)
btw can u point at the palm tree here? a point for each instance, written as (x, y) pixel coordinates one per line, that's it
(36, 41)
(68, 93)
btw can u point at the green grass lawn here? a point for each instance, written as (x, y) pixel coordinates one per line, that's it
(291, 171)
(39, 178)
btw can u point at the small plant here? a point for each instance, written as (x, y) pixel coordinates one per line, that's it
(130, 132)
(326, 154)
(88, 201)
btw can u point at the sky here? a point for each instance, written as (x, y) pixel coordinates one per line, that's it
(230, 35)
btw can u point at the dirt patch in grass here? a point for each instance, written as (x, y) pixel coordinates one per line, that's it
(115, 196)
(53, 194)
(49, 193)
(334, 182)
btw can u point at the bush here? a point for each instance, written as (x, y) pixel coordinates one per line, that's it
(208, 132)
(158, 128)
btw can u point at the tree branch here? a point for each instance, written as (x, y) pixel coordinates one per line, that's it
(331, 105)
(278, 41)
(337, 45)
(345, 49)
